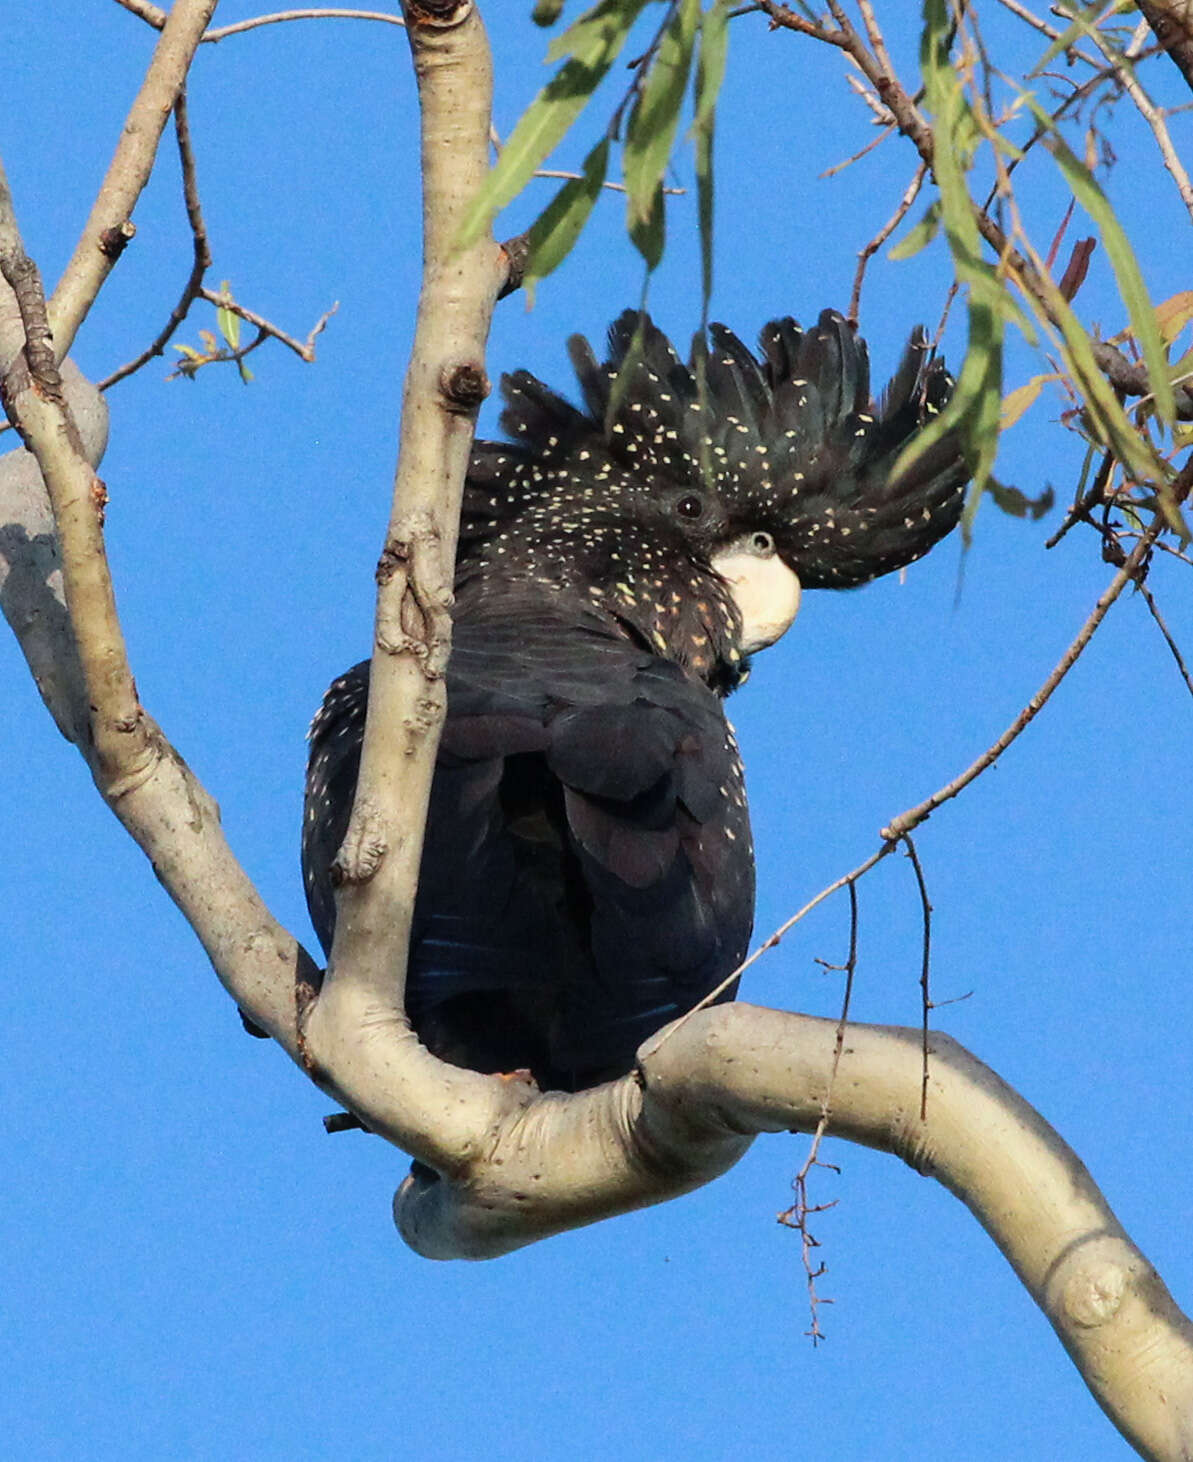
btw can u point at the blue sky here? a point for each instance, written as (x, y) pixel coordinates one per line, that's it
(192, 1268)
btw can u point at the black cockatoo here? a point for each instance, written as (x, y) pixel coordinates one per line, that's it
(588, 872)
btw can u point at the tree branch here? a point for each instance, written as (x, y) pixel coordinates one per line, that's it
(70, 624)
(357, 1028)
(34, 400)
(1172, 23)
(738, 1070)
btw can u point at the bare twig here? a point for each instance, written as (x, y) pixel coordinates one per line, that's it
(846, 162)
(154, 14)
(926, 1005)
(1151, 114)
(156, 17)
(907, 821)
(1150, 600)
(612, 185)
(194, 288)
(1086, 502)
(910, 193)
(304, 349)
(882, 115)
(129, 170)
(1044, 28)
(240, 26)
(798, 1214)
(782, 17)
(875, 37)
(201, 249)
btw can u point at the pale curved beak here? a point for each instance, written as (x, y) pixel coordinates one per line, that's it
(765, 590)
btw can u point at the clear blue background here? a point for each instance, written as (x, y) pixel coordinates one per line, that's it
(191, 1267)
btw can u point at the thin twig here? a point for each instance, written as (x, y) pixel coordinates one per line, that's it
(200, 245)
(882, 115)
(1150, 600)
(305, 350)
(614, 187)
(1151, 114)
(1175, 552)
(1086, 502)
(240, 26)
(194, 288)
(129, 169)
(907, 821)
(155, 16)
(899, 827)
(798, 1214)
(875, 37)
(839, 167)
(910, 193)
(1051, 32)
(926, 1005)
(779, 934)
(782, 17)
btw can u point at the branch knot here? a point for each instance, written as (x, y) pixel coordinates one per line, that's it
(464, 386)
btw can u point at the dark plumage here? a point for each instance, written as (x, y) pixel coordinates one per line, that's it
(588, 871)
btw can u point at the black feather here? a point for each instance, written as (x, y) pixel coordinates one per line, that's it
(585, 879)
(587, 873)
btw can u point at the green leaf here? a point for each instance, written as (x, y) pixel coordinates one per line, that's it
(1016, 503)
(710, 73)
(974, 408)
(586, 37)
(595, 41)
(654, 119)
(920, 236)
(1103, 408)
(1183, 367)
(649, 234)
(1131, 287)
(547, 12)
(710, 69)
(1082, 26)
(554, 233)
(705, 200)
(228, 323)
